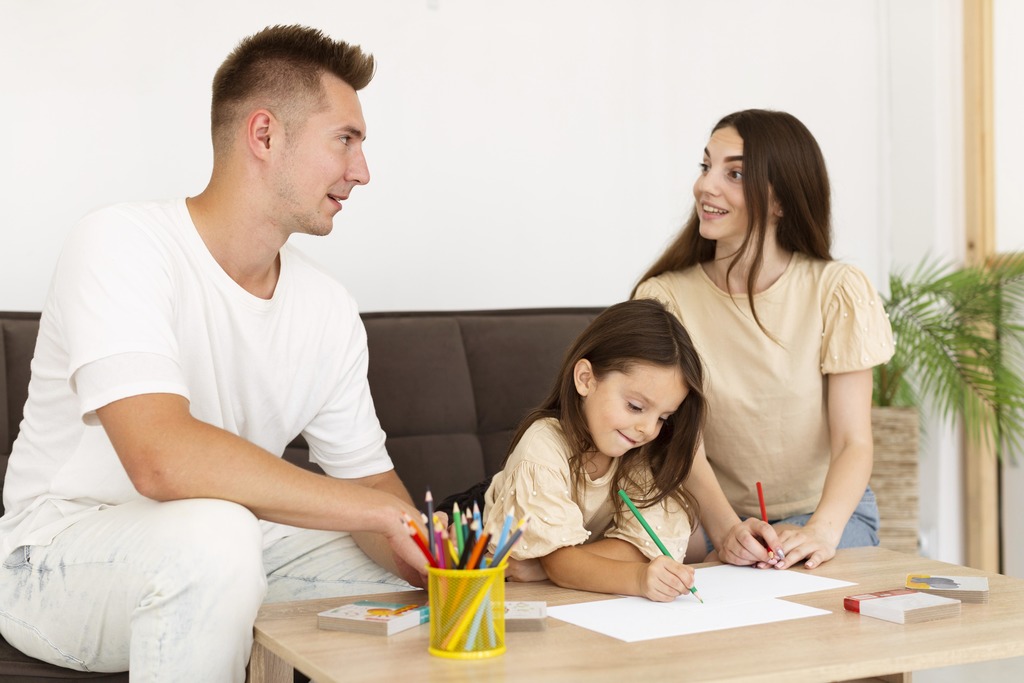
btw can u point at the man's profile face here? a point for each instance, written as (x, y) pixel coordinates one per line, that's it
(321, 161)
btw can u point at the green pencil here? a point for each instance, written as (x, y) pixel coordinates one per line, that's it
(654, 536)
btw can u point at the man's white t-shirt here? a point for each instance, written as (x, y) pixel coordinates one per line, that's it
(138, 305)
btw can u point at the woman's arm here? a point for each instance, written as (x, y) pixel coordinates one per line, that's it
(737, 542)
(849, 421)
(612, 565)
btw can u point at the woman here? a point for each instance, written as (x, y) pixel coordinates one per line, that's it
(789, 337)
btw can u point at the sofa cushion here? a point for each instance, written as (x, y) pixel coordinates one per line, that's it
(513, 357)
(17, 343)
(18, 668)
(418, 375)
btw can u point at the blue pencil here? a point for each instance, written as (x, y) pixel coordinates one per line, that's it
(504, 533)
(503, 551)
(476, 518)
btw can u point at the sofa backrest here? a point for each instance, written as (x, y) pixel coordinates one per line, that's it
(449, 387)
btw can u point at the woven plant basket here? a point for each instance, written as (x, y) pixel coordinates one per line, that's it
(894, 476)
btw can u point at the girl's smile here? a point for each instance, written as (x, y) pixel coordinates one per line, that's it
(625, 410)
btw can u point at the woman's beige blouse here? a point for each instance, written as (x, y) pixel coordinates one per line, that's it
(768, 415)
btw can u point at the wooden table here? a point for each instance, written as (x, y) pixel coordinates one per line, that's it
(838, 646)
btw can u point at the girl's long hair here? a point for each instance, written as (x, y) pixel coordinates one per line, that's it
(621, 337)
(780, 156)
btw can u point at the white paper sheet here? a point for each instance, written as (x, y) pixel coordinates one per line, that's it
(733, 597)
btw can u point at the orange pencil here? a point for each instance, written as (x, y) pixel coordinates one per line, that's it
(413, 525)
(478, 549)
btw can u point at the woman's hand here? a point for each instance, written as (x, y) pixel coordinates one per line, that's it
(664, 579)
(813, 544)
(747, 543)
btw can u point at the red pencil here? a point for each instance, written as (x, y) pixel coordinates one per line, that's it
(422, 546)
(760, 499)
(764, 518)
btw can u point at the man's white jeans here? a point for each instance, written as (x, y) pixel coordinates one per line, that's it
(171, 588)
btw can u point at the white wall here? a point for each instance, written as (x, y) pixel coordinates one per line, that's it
(1009, 112)
(527, 153)
(530, 153)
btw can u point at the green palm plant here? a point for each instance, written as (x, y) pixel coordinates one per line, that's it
(960, 341)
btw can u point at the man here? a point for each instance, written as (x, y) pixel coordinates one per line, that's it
(182, 345)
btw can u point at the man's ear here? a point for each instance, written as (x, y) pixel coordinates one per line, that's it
(583, 376)
(261, 125)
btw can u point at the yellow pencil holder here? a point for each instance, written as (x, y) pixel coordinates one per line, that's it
(467, 612)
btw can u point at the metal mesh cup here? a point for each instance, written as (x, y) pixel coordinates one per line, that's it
(467, 612)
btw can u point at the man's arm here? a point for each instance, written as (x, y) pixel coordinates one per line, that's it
(170, 455)
(375, 545)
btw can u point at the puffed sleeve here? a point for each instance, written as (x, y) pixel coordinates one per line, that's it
(656, 288)
(536, 479)
(669, 521)
(857, 334)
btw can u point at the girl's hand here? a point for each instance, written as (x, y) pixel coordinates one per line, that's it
(813, 543)
(525, 570)
(747, 543)
(663, 579)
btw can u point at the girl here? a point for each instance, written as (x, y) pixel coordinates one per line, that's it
(625, 413)
(789, 337)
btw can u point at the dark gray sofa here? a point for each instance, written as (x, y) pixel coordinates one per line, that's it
(449, 387)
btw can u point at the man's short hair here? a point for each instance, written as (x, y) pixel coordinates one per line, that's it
(281, 68)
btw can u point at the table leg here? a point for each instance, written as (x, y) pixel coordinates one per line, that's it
(266, 667)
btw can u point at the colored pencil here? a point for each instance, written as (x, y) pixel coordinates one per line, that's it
(422, 546)
(415, 527)
(439, 544)
(760, 499)
(504, 533)
(500, 553)
(457, 526)
(476, 518)
(430, 520)
(452, 552)
(467, 616)
(764, 518)
(478, 551)
(654, 536)
(467, 550)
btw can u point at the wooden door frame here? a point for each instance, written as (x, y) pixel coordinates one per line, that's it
(982, 547)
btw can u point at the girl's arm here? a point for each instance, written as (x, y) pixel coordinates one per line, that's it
(612, 565)
(737, 542)
(849, 420)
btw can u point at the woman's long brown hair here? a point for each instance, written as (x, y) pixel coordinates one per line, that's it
(780, 157)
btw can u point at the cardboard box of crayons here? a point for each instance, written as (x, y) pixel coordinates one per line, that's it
(902, 606)
(525, 615)
(367, 616)
(963, 588)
